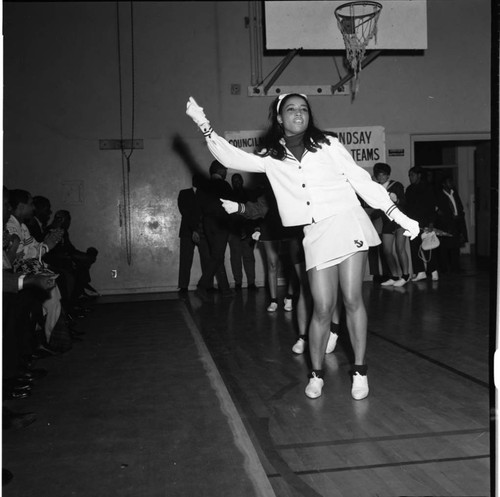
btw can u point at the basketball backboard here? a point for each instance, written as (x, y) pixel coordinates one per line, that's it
(311, 25)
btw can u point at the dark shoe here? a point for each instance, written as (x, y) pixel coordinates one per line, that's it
(16, 384)
(35, 374)
(202, 294)
(43, 352)
(6, 476)
(237, 287)
(253, 287)
(22, 386)
(25, 379)
(17, 420)
(228, 293)
(182, 290)
(212, 290)
(16, 394)
(40, 354)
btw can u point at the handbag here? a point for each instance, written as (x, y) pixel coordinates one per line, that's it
(30, 265)
(430, 241)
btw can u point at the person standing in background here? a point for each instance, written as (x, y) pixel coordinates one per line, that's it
(421, 206)
(450, 218)
(216, 224)
(241, 243)
(392, 234)
(189, 232)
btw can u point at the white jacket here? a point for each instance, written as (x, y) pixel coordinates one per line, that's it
(325, 183)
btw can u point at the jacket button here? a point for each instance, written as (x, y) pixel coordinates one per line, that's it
(308, 203)
(303, 186)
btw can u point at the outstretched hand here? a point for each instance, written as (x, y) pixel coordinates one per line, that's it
(412, 230)
(229, 206)
(411, 227)
(195, 112)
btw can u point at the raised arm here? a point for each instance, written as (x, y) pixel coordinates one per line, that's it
(227, 154)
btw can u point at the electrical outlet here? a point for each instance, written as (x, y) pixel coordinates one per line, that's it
(114, 273)
(235, 89)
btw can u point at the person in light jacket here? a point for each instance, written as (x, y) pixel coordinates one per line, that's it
(315, 181)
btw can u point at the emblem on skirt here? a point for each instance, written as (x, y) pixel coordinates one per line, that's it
(358, 243)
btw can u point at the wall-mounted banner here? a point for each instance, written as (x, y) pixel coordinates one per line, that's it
(366, 144)
(246, 140)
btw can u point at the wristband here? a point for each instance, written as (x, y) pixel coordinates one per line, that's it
(20, 282)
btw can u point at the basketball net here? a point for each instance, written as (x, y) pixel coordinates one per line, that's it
(357, 22)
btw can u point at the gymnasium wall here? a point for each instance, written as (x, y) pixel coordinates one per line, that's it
(62, 95)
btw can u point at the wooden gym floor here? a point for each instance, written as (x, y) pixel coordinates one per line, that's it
(176, 397)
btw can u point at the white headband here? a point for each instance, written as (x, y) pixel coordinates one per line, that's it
(283, 95)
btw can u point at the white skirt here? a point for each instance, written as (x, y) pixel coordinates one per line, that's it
(334, 239)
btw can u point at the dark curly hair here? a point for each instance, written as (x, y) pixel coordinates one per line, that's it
(270, 141)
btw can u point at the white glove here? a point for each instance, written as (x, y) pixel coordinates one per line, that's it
(256, 235)
(229, 206)
(411, 226)
(195, 112)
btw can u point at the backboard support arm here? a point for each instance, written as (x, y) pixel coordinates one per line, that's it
(281, 67)
(367, 60)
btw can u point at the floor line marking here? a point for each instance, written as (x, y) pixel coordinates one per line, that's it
(408, 436)
(433, 361)
(253, 466)
(385, 465)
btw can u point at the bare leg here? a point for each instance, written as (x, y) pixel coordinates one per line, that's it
(272, 258)
(351, 273)
(337, 310)
(401, 251)
(324, 288)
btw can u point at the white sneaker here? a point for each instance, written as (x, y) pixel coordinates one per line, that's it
(435, 276)
(272, 307)
(288, 304)
(332, 343)
(388, 282)
(359, 386)
(314, 387)
(420, 276)
(401, 282)
(299, 346)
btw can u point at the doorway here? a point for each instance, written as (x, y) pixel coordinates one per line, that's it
(467, 160)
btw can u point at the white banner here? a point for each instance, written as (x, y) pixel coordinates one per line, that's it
(246, 140)
(366, 144)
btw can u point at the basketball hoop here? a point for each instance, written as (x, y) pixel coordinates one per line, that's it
(357, 22)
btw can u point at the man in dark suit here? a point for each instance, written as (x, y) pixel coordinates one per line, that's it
(41, 216)
(216, 225)
(190, 232)
(451, 219)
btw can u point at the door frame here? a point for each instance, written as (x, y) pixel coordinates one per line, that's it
(467, 195)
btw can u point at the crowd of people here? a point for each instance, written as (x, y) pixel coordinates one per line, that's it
(46, 290)
(438, 209)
